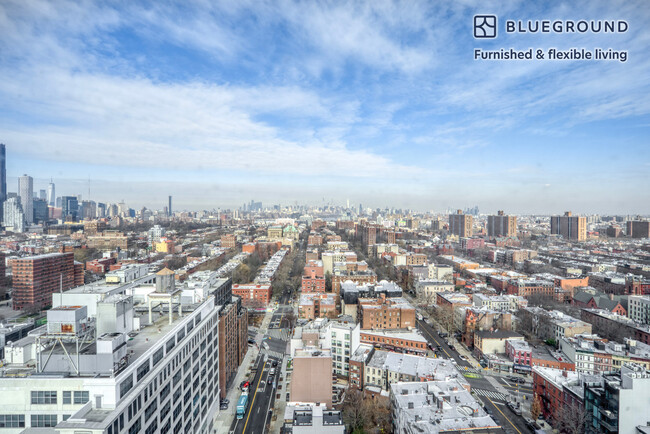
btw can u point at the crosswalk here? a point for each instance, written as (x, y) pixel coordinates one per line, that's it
(470, 369)
(282, 334)
(278, 355)
(492, 394)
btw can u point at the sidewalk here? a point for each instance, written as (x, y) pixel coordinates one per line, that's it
(224, 419)
(281, 404)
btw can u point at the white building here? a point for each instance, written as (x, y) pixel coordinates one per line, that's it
(437, 406)
(13, 215)
(427, 289)
(341, 338)
(157, 372)
(639, 308)
(26, 193)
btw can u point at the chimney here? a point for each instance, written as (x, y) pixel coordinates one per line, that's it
(500, 212)
(611, 296)
(459, 211)
(567, 214)
(564, 374)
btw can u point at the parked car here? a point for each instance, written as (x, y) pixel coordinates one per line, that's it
(515, 407)
(244, 384)
(270, 379)
(274, 363)
(513, 379)
(451, 347)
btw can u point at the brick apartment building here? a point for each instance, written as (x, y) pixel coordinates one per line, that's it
(233, 341)
(570, 227)
(313, 279)
(35, 278)
(253, 294)
(528, 287)
(638, 229)
(502, 225)
(358, 277)
(385, 313)
(461, 224)
(229, 241)
(316, 305)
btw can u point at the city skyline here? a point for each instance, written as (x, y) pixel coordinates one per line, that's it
(286, 102)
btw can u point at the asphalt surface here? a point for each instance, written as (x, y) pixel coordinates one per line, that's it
(490, 396)
(262, 394)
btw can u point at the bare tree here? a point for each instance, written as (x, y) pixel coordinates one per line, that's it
(354, 412)
(377, 409)
(570, 419)
(536, 407)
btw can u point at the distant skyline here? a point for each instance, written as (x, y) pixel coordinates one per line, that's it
(378, 102)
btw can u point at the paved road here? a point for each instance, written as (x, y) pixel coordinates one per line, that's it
(262, 394)
(494, 400)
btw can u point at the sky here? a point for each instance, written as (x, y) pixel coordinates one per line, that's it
(284, 102)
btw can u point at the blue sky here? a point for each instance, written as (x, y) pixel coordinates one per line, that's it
(379, 102)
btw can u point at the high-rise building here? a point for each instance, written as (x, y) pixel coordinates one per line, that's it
(638, 229)
(42, 194)
(569, 226)
(461, 224)
(3, 177)
(35, 278)
(169, 208)
(69, 207)
(26, 193)
(162, 378)
(51, 196)
(501, 225)
(13, 215)
(40, 210)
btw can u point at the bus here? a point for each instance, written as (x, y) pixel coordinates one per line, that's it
(241, 405)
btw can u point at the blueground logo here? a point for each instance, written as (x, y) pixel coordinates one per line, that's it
(485, 26)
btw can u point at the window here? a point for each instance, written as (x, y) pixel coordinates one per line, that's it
(67, 397)
(170, 344)
(150, 410)
(151, 429)
(12, 421)
(43, 420)
(81, 397)
(143, 370)
(43, 397)
(135, 428)
(126, 385)
(157, 356)
(180, 335)
(165, 391)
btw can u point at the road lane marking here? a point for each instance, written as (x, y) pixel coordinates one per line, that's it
(255, 396)
(503, 414)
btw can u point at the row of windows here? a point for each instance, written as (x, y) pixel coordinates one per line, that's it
(43, 397)
(76, 397)
(199, 340)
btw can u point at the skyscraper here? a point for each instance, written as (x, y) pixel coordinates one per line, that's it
(42, 194)
(3, 177)
(169, 209)
(26, 193)
(51, 196)
(69, 207)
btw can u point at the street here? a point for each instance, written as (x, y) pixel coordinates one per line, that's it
(484, 383)
(262, 394)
